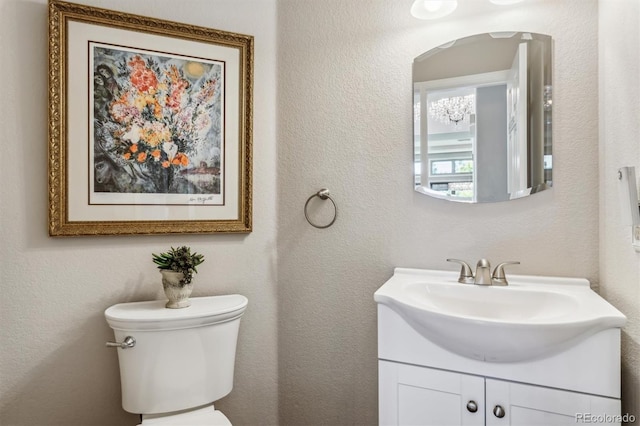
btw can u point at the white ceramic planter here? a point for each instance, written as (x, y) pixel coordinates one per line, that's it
(177, 294)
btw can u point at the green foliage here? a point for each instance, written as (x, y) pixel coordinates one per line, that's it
(179, 260)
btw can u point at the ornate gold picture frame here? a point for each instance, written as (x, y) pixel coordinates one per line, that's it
(150, 125)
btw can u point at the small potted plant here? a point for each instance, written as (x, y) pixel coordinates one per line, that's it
(177, 267)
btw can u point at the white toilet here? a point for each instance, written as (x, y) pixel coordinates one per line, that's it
(174, 363)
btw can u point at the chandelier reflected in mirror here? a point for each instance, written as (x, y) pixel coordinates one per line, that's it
(454, 110)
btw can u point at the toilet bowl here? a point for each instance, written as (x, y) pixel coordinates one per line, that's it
(177, 362)
(206, 416)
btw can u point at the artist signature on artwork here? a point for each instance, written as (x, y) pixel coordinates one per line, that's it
(200, 200)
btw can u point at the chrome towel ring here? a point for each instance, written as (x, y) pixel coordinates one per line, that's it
(323, 194)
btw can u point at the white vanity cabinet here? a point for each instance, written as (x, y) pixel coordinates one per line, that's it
(422, 384)
(536, 405)
(541, 351)
(413, 395)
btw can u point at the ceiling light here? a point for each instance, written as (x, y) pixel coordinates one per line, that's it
(505, 2)
(454, 110)
(433, 9)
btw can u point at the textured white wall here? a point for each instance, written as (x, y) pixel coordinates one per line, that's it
(54, 368)
(345, 120)
(619, 86)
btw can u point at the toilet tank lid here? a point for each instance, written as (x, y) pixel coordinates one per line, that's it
(153, 315)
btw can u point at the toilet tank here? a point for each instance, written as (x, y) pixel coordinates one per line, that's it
(182, 358)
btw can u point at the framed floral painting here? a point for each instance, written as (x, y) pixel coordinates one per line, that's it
(150, 125)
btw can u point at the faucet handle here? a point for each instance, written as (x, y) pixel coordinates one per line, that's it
(466, 276)
(498, 277)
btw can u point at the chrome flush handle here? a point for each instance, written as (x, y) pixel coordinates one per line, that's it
(129, 342)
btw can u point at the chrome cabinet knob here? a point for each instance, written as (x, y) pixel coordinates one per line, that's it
(498, 411)
(472, 407)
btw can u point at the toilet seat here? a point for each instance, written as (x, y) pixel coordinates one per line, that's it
(205, 416)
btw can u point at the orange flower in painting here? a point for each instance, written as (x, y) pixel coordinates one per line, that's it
(155, 154)
(141, 157)
(157, 110)
(134, 148)
(127, 155)
(165, 164)
(142, 78)
(136, 62)
(180, 160)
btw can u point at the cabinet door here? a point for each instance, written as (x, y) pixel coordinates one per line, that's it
(419, 396)
(527, 405)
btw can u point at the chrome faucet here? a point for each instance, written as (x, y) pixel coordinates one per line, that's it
(483, 275)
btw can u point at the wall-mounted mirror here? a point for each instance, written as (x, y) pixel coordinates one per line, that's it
(482, 117)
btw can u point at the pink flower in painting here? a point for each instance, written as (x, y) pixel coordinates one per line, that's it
(174, 100)
(122, 111)
(142, 78)
(202, 122)
(206, 93)
(178, 87)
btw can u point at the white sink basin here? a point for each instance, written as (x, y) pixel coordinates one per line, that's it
(530, 318)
